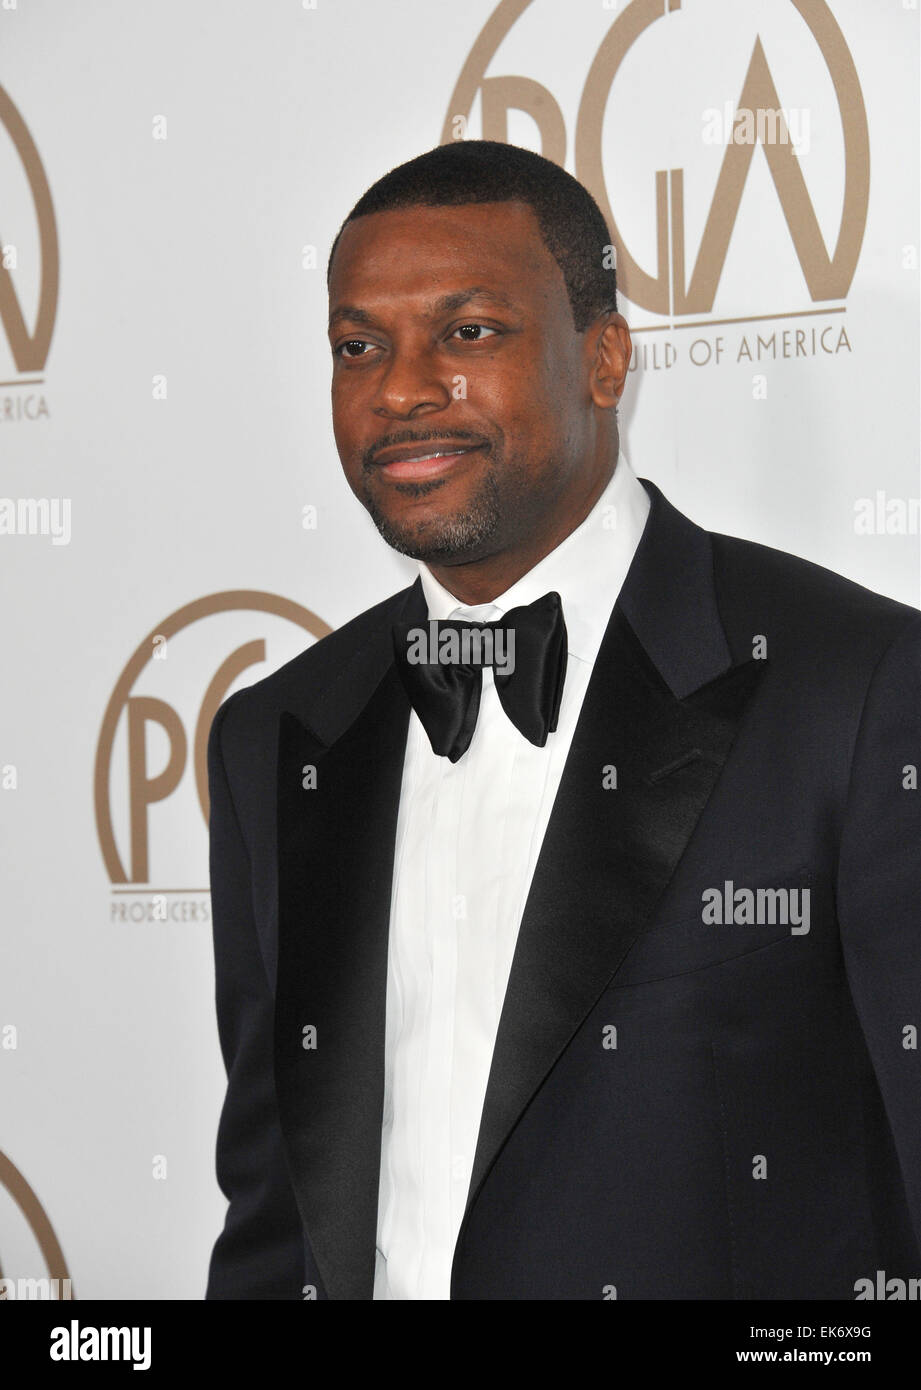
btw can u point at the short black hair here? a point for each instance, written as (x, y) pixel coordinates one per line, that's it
(487, 171)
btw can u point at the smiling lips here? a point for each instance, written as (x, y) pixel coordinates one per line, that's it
(415, 462)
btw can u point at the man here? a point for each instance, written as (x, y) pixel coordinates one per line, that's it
(565, 903)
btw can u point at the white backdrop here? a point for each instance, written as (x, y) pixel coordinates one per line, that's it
(173, 430)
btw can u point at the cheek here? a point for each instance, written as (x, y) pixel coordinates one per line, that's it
(349, 450)
(344, 416)
(519, 402)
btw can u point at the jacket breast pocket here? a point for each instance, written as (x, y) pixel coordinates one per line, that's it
(732, 921)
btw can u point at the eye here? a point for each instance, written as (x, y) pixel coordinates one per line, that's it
(473, 332)
(345, 349)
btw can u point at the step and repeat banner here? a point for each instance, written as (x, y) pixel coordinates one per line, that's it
(173, 520)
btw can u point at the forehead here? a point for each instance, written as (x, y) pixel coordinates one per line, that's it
(417, 251)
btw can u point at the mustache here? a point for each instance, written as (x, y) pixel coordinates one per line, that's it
(388, 441)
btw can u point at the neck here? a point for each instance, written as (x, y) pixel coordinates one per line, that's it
(483, 580)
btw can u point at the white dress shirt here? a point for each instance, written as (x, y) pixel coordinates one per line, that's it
(467, 841)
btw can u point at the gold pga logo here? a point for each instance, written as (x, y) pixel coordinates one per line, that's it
(193, 671)
(29, 351)
(669, 292)
(57, 1284)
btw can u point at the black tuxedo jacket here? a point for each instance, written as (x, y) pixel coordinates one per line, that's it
(676, 1108)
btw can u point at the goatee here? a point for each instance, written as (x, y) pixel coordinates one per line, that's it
(442, 539)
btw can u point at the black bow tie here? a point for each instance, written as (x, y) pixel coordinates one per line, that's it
(441, 667)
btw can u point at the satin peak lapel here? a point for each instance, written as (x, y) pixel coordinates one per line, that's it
(335, 864)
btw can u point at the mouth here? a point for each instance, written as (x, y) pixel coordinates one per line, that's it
(414, 463)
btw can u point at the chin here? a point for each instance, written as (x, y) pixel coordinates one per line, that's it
(445, 540)
(423, 545)
(443, 534)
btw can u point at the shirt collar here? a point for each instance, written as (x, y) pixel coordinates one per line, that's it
(587, 569)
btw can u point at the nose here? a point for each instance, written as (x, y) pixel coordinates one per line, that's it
(411, 386)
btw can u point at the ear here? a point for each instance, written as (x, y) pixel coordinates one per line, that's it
(610, 346)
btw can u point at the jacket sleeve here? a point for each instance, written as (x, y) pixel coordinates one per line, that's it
(260, 1253)
(879, 894)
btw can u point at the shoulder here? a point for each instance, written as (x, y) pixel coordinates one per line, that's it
(248, 719)
(810, 611)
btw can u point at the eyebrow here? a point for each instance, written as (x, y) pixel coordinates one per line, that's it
(445, 305)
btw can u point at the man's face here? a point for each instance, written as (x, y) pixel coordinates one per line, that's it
(462, 408)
